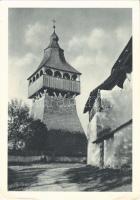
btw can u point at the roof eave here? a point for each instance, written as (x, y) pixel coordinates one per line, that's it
(53, 68)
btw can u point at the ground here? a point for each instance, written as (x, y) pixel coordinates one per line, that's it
(67, 177)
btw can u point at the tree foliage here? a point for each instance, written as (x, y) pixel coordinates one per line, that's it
(24, 131)
(37, 136)
(18, 120)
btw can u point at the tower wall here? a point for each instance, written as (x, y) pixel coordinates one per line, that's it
(58, 113)
(66, 136)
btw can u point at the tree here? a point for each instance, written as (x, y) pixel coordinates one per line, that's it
(18, 121)
(37, 136)
(23, 131)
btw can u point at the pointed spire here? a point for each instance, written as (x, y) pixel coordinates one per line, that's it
(54, 38)
(54, 21)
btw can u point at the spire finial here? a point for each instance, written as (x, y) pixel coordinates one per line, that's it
(54, 21)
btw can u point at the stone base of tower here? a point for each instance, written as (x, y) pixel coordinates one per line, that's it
(66, 136)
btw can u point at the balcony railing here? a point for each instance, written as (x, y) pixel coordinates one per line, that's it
(46, 81)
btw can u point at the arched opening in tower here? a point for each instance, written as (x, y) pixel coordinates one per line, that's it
(74, 77)
(37, 76)
(66, 76)
(41, 73)
(57, 74)
(33, 79)
(49, 72)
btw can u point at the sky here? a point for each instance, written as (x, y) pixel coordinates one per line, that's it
(92, 39)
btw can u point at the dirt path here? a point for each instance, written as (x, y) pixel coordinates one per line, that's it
(67, 177)
(54, 180)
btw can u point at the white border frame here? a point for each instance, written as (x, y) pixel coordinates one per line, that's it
(4, 5)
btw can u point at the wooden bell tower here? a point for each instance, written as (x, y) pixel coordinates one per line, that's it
(53, 88)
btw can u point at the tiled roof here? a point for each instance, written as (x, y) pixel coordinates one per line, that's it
(54, 57)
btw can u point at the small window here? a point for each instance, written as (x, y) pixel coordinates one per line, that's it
(74, 77)
(33, 78)
(37, 76)
(49, 72)
(66, 76)
(57, 74)
(41, 73)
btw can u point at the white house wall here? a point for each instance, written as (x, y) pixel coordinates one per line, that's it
(117, 110)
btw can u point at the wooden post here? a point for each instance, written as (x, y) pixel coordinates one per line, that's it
(102, 154)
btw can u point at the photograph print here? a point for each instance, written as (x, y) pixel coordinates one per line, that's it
(70, 99)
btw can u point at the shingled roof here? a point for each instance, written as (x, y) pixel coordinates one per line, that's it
(54, 57)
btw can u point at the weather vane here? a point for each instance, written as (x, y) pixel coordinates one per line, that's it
(54, 21)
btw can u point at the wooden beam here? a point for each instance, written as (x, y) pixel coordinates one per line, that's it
(111, 134)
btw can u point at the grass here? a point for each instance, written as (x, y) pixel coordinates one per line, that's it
(19, 180)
